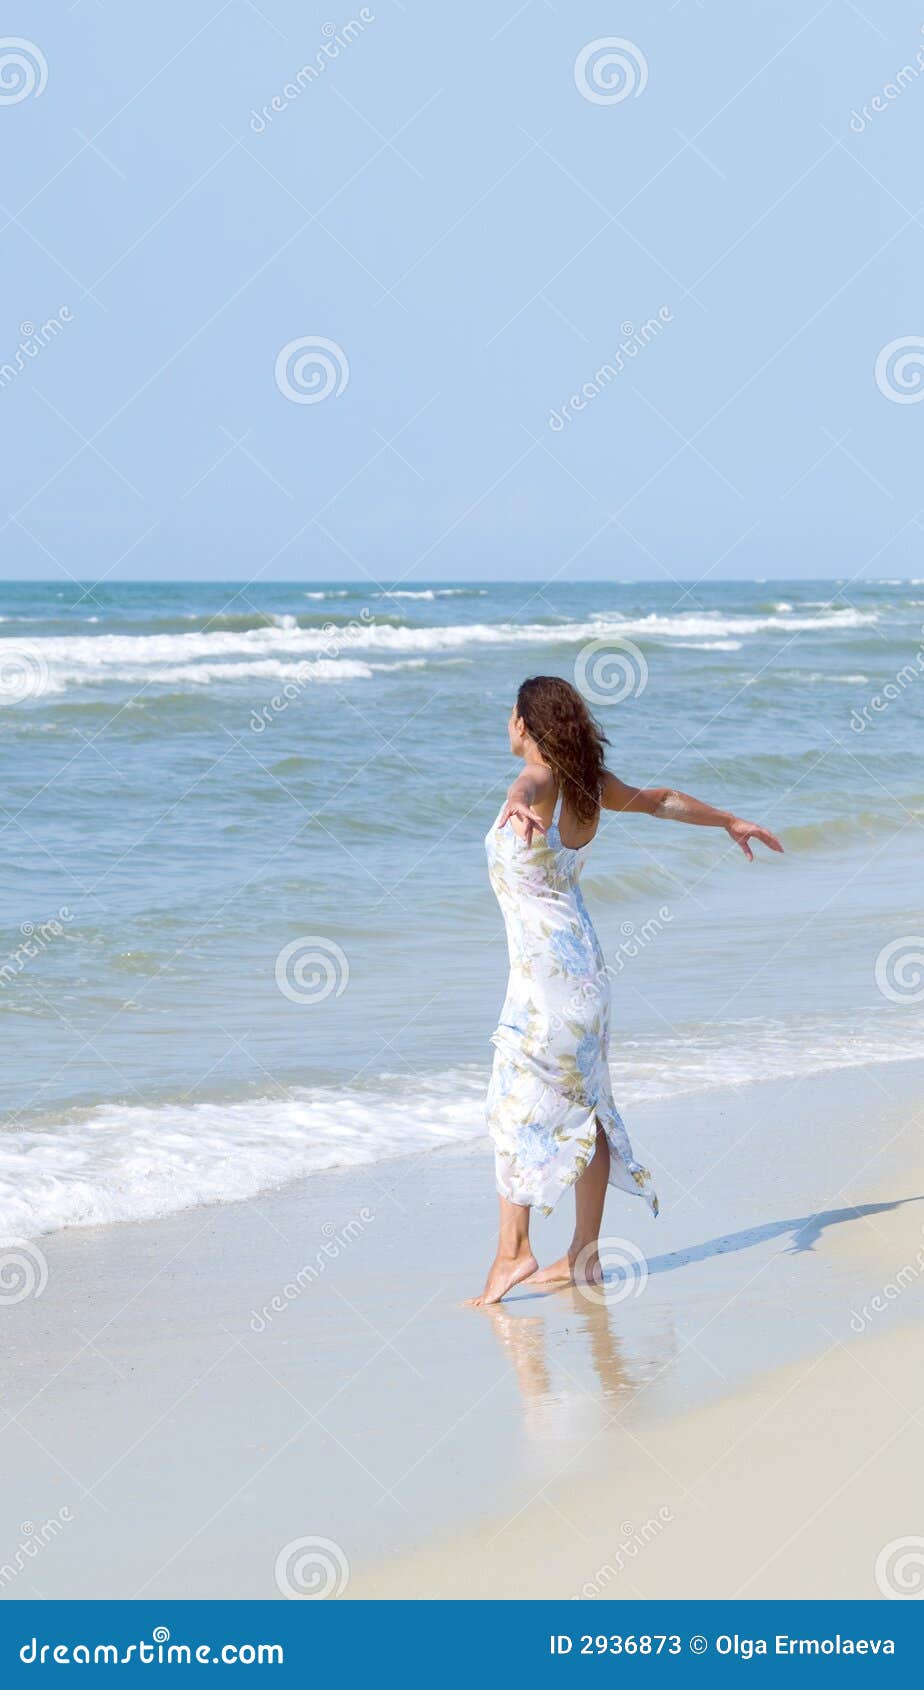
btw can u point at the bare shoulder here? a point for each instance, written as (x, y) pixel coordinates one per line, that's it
(542, 779)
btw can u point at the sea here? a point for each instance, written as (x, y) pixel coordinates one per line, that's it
(246, 932)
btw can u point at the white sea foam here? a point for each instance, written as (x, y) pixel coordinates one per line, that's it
(202, 656)
(431, 593)
(125, 1163)
(708, 645)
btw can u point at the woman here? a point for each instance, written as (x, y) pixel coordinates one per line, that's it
(550, 1105)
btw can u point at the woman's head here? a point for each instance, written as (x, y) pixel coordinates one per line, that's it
(551, 716)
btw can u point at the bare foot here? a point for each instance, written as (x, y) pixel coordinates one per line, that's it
(579, 1267)
(587, 1268)
(557, 1273)
(505, 1273)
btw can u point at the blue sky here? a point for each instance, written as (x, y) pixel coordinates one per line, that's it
(462, 209)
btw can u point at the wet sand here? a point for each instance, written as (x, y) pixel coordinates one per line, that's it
(188, 1398)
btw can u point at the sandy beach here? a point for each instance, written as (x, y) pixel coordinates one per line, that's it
(189, 1398)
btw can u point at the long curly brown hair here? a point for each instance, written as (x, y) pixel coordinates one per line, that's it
(569, 739)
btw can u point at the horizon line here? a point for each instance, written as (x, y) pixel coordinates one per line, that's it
(449, 581)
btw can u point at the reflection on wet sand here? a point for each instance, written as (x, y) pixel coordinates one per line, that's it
(572, 1367)
(581, 1357)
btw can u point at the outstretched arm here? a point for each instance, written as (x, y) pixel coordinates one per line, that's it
(680, 807)
(536, 782)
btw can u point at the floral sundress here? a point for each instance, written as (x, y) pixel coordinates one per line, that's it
(550, 1083)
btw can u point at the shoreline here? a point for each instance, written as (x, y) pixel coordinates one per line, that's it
(195, 1419)
(128, 1163)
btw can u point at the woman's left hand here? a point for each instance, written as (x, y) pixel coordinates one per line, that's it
(741, 832)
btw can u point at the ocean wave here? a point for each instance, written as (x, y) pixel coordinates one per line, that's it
(132, 657)
(129, 1162)
(307, 672)
(708, 645)
(841, 830)
(431, 593)
(715, 622)
(122, 1162)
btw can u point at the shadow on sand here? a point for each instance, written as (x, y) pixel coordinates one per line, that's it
(805, 1230)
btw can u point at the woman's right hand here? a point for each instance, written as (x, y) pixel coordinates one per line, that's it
(530, 821)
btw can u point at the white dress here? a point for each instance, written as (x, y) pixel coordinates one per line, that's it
(550, 1083)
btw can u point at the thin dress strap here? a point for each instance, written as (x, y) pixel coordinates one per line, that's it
(556, 813)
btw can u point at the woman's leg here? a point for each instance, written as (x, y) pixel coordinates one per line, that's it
(514, 1260)
(589, 1198)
